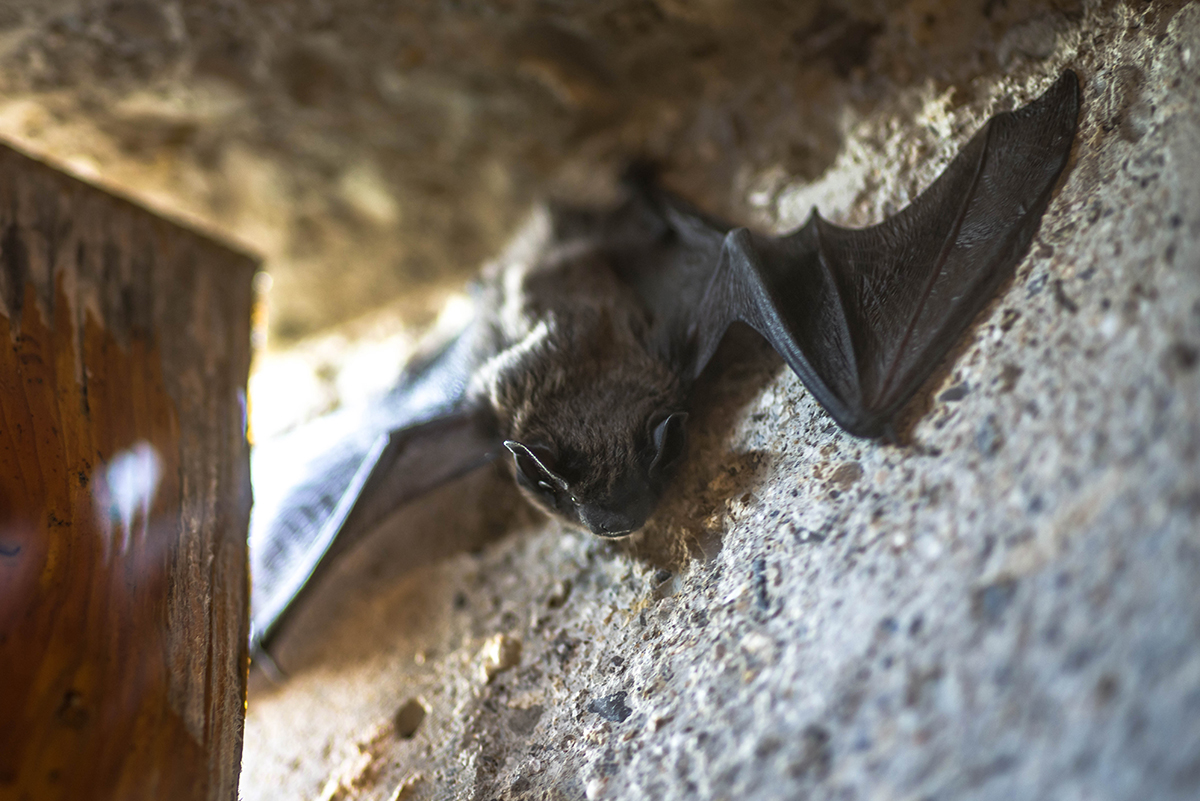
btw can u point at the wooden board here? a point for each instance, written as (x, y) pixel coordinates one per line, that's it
(124, 497)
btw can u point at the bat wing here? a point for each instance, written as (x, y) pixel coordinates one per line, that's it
(310, 509)
(864, 316)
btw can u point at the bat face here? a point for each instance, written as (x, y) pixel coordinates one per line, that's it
(590, 409)
(624, 499)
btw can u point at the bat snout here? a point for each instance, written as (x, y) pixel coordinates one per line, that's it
(622, 513)
(610, 524)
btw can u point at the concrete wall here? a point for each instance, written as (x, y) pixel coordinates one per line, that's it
(1005, 607)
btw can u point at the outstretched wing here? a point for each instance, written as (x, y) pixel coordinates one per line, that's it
(864, 316)
(310, 509)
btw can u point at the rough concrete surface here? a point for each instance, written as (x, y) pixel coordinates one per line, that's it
(1005, 606)
(365, 147)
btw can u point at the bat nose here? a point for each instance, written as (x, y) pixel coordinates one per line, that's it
(622, 510)
(609, 523)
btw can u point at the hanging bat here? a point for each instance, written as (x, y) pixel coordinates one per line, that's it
(589, 333)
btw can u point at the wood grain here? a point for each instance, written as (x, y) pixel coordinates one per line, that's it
(124, 497)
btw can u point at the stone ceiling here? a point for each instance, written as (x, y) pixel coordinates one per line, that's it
(367, 148)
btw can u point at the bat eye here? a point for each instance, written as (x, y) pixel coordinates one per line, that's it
(670, 441)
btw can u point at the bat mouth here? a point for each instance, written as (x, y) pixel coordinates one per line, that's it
(614, 535)
(619, 518)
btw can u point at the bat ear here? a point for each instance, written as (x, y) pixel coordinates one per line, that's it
(535, 464)
(670, 441)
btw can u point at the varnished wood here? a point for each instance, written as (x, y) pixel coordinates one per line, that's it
(124, 341)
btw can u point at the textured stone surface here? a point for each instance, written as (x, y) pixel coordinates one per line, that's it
(1004, 607)
(363, 146)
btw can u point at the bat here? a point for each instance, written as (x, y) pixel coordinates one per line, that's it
(589, 333)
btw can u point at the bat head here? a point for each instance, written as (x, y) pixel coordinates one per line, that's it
(612, 494)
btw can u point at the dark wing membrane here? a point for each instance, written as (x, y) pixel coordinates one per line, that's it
(322, 486)
(864, 316)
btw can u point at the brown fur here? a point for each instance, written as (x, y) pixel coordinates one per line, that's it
(576, 373)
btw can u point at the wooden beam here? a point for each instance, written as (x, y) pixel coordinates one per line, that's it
(124, 497)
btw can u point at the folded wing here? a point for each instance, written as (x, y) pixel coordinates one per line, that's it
(342, 475)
